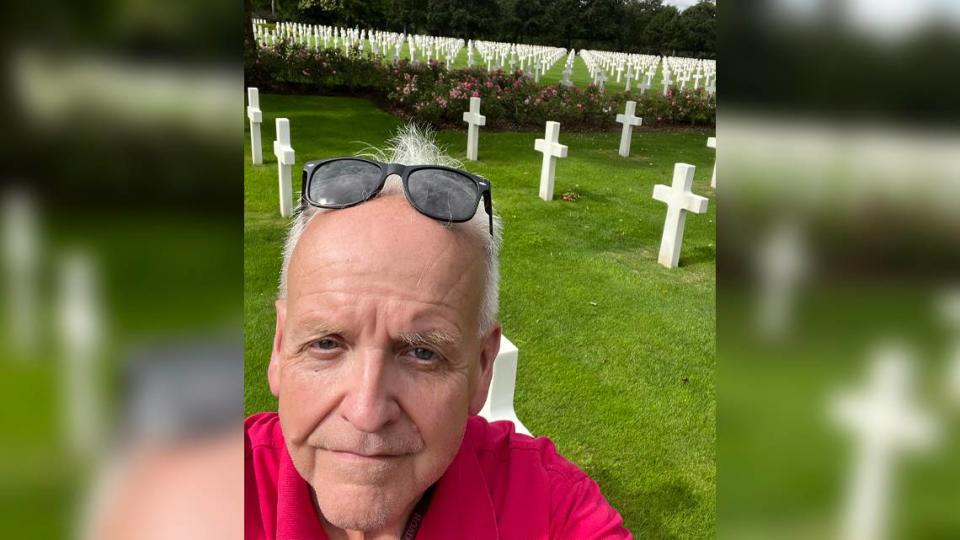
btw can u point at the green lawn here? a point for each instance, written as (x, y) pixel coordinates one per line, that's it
(785, 461)
(617, 354)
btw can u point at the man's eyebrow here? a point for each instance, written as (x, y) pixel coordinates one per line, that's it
(437, 338)
(317, 327)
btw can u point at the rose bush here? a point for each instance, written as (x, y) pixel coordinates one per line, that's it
(431, 93)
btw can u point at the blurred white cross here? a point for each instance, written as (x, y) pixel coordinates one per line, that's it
(782, 264)
(950, 311)
(21, 248)
(81, 334)
(884, 421)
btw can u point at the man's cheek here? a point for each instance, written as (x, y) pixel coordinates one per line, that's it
(302, 404)
(440, 408)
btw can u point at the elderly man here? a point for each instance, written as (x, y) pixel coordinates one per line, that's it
(385, 340)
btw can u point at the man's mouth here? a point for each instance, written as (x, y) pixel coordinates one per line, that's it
(357, 457)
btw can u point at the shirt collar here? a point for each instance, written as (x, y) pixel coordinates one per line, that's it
(461, 505)
(296, 517)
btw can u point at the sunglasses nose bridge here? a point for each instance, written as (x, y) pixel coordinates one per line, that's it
(393, 168)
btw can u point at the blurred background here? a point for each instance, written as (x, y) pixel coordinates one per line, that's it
(121, 255)
(838, 269)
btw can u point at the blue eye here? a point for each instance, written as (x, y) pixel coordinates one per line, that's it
(325, 344)
(423, 354)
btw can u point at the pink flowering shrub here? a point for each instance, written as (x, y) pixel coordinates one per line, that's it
(431, 93)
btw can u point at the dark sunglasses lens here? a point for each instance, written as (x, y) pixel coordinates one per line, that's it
(343, 182)
(444, 195)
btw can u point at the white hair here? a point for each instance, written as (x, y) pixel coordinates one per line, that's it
(413, 145)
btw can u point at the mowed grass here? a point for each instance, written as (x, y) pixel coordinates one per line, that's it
(786, 460)
(617, 355)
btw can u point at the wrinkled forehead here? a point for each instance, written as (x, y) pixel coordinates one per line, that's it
(386, 242)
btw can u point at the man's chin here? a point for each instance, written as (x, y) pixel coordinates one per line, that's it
(360, 508)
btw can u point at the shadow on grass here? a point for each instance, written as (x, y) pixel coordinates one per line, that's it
(651, 510)
(698, 255)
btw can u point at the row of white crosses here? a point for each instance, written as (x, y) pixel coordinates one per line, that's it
(693, 69)
(678, 197)
(282, 149)
(628, 67)
(533, 60)
(568, 68)
(356, 41)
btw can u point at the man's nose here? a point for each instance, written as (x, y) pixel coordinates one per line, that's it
(370, 403)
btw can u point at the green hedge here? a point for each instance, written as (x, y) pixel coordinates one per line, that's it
(431, 93)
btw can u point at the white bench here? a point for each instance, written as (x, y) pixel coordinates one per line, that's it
(499, 405)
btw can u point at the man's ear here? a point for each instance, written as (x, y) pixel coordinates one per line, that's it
(490, 346)
(273, 371)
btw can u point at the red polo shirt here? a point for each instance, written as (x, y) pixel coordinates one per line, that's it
(500, 485)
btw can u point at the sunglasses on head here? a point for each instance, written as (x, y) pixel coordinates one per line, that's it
(442, 193)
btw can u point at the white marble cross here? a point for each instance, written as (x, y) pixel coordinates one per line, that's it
(285, 160)
(628, 119)
(256, 117)
(884, 421)
(499, 404)
(474, 120)
(679, 200)
(552, 150)
(712, 143)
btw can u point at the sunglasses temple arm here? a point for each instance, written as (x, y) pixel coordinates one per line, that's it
(488, 206)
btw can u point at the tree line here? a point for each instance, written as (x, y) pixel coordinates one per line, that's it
(637, 26)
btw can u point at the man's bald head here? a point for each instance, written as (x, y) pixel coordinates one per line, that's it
(413, 146)
(386, 237)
